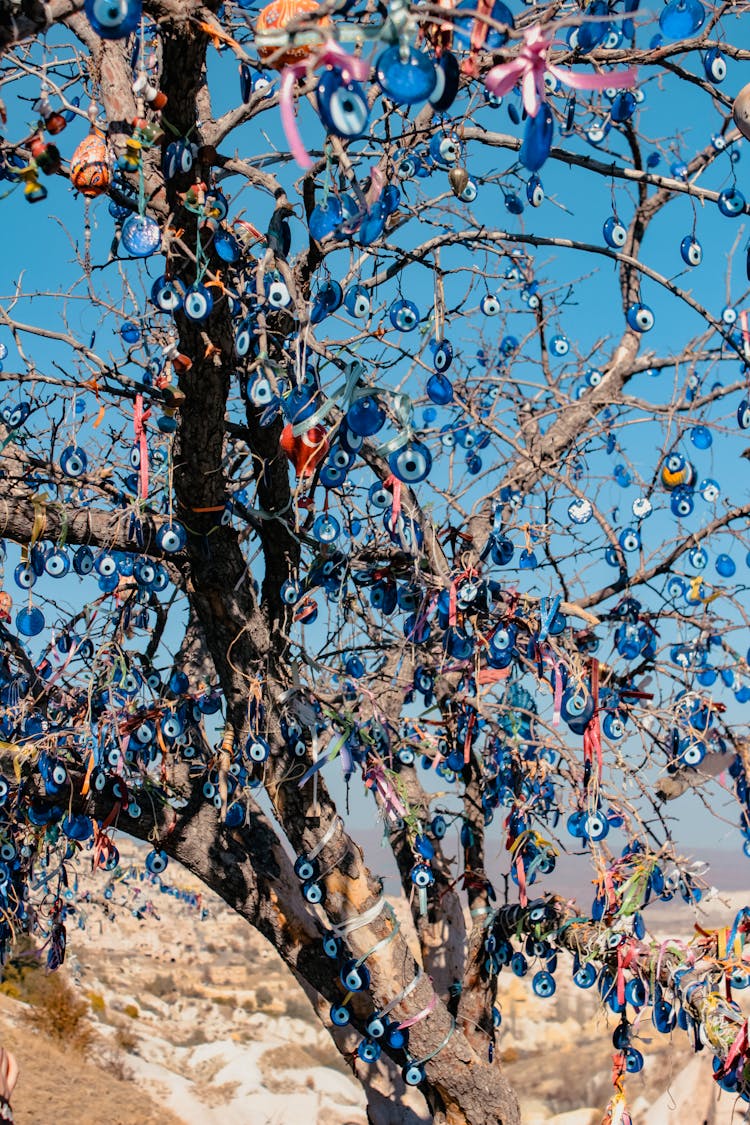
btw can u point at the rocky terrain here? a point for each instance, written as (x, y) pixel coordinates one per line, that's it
(188, 1016)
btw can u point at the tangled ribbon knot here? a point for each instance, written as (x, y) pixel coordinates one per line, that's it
(529, 68)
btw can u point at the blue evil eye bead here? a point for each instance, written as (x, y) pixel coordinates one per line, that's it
(731, 202)
(698, 558)
(73, 461)
(422, 875)
(682, 503)
(258, 750)
(113, 19)
(513, 203)
(313, 893)
(17, 415)
(709, 490)
(412, 463)
(639, 317)
(613, 727)
(445, 149)
(325, 218)
(130, 332)
(469, 193)
(596, 826)
(615, 234)
(178, 158)
(543, 984)
(559, 345)
(30, 621)
(342, 104)
(227, 246)
(680, 19)
(83, 561)
(171, 537)
(715, 65)
(580, 511)
(623, 106)
(365, 417)
(439, 390)
(405, 80)
(106, 565)
(676, 588)
(633, 1059)
(691, 250)
(306, 869)
(354, 977)
(489, 305)
(442, 355)
(535, 191)
(701, 437)
(368, 1051)
(24, 576)
(340, 1015)
(519, 965)
(629, 539)
(537, 140)
(743, 414)
(56, 562)
(140, 236)
(725, 566)
(404, 315)
(413, 1074)
(447, 77)
(277, 292)
(326, 528)
(198, 303)
(373, 225)
(357, 301)
(585, 976)
(328, 299)
(156, 862)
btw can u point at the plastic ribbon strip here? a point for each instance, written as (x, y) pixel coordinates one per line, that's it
(529, 66)
(140, 417)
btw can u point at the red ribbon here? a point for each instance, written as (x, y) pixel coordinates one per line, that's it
(592, 736)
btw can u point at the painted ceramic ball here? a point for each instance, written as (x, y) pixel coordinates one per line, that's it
(276, 16)
(89, 166)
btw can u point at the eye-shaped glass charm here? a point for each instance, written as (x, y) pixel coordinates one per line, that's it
(422, 875)
(24, 576)
(198, 303)
(677, 472)
(140, 236)
(682, 503)
(681, 19)
(56, 562)
(277, 293)
(615, 234)
(725, 566)
(623, 106)
(537, 140)
(405, 80)
(543, 984)
(113, 19)
(404, 315)
(326, 528)
(73, 461)
(535, 191)
(357, 302)
(743, 414)
(368, 1051)
(715, 65)
(328, 299)
(489, 305)
(580, 510)
(258, 750)
(559, 345)
(640, 317)
(412, 1074)
(16, 415)
(445, 149)
(156, 862)
(691, 250)
(709, 490)
(411, 463)
(340, 1015)
(342, 104)
(171, 537)
(365, 417)
(447, 77)
(354, 977)
(629, 540)
(731, 202)
(439, 390)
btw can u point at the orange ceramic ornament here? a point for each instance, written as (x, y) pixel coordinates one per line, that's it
(274, 17)
(306, 451)
(89, 165)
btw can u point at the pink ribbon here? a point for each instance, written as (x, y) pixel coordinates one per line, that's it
(140, 417)
(331, 55)
(529, 67)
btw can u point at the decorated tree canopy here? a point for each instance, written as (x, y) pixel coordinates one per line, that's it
(375, 386)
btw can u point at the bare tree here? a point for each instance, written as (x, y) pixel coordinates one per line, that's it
(340, 491)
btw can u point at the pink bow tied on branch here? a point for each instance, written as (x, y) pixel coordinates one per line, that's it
(529, 67)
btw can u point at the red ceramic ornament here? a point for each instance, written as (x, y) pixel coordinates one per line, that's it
(276, 16)
(305, 451)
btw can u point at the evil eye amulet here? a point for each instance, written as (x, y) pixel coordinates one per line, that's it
(405, 80)
(640, 317)
(412, 463)
(113, 19)
(342, 105)
(171, 537)
(354, 977)
(198, 303)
